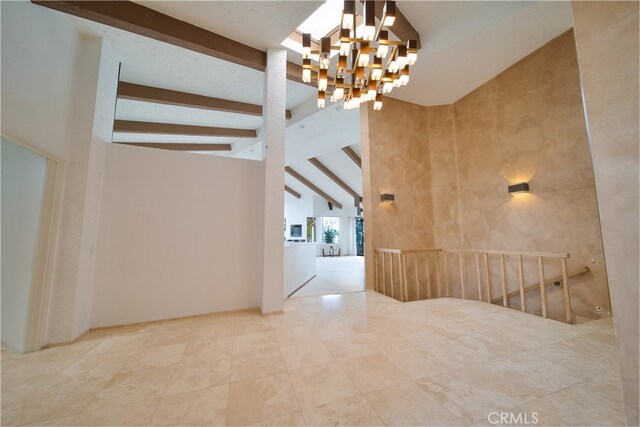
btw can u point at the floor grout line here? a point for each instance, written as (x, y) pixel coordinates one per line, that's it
(175, 367)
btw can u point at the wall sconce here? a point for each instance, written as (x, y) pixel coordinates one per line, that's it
(521, 187)
(387, 198)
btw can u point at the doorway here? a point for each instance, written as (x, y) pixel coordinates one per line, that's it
(28, 183)
(340, 260)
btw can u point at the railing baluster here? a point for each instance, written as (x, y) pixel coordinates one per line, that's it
(565, 290)
(460, 258)
(543, 293)
(428, 276)
(486, 272)
(505, 300)
(391, 272)
(446, 275)
(444, 285)
(415, 265)
(438, 289)
(375, 271)
(523, 307)
(404, 295)
(478, 276)
(384, 275)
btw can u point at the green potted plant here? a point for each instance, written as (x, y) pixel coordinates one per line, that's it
(330, 235)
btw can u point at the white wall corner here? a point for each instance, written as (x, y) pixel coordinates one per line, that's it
(90, 128)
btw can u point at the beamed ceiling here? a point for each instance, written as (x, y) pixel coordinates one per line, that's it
(463, 45)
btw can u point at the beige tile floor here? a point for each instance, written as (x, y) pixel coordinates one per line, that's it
(350, 359)
(335, 275)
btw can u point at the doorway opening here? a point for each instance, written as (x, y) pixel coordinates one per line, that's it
(29, 188)
(340, 260)
(324, 234)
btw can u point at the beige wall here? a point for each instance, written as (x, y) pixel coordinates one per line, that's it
(527, 124)
(395, 160)
(607, 44)
(449, 167)
(400, 156)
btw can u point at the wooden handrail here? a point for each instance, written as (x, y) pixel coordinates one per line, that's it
(536, 287)
(389, 251)
(413, 251)
(407, 251)
(515, 253)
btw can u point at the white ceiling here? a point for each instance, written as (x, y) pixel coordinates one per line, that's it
(260, 24)
(327, 130)
(153, 63)
(464, 44)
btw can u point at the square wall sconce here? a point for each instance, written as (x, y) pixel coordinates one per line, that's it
(522, 187)
(387, 198)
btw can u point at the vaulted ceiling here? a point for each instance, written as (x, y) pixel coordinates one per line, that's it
(463, 45)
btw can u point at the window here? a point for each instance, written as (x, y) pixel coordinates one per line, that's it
(331, 230)
(320, 24)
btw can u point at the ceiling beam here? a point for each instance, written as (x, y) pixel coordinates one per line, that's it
(137, 92)
(353, 155)
(332, 176)
(293, 192)
(173, 129)
(178, 146)
(312, 187)
(401, 27)
(137, 19)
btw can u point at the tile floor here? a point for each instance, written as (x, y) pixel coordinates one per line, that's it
(350, 359)
(335, 275)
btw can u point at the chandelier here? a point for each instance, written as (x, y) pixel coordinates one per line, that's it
(369, 63)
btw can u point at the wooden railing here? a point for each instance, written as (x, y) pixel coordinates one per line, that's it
(416, 274)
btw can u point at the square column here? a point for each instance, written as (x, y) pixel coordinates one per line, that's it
(273, 126)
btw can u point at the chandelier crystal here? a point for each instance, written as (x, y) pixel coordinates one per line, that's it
(369, 63)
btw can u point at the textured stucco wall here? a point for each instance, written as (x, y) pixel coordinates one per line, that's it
(527, 124)
(450, 166)
(399, 158)
(607, 44)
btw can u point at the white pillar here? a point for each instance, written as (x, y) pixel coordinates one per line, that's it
(90, 130)
(273, 125)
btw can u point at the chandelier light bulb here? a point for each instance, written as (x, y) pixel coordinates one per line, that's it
(389, 13)
(321, 99)
(306, 75)
(377, 104)
(348, 11)
(412, 51)
(404, 76)
(322, 80)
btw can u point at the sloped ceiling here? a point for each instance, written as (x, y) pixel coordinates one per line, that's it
(464, 44)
